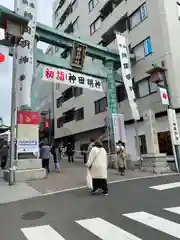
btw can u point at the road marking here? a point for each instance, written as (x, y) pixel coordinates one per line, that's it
(105, 230)
(111, 182)
(173, 210)
(155, 222)
(166, 186)
(45, 232)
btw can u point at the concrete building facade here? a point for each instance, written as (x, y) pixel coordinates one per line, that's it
(153, 31)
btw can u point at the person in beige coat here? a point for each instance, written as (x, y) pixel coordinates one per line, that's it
(97, 164)
(121, 157)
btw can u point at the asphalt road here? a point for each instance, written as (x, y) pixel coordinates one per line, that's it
(132, 211)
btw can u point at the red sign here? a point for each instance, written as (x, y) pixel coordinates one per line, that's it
(28, 117)
(2, 57)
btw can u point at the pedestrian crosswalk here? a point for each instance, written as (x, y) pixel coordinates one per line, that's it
(166, 186)
(45, 232)
(107, 231)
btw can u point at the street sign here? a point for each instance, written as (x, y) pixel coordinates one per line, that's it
(28, 117)
(163, 96)
(78, 55)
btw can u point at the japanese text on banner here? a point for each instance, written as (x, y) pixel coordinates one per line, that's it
(126, 74)
(71, 78)
(24, 61)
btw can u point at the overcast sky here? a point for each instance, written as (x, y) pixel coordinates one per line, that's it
(45, 17)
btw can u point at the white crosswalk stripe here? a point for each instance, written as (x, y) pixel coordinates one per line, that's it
(166, 186)
(105, 230)
(158, 223)
(45, 232)
(173, 210)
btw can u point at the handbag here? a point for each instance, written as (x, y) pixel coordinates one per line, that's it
(94, 160)
(89, 179)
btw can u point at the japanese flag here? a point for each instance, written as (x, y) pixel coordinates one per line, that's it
(4, 55)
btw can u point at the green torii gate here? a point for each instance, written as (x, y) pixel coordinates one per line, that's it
(51, 36)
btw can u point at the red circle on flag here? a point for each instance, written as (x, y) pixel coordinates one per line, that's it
(2, 57)
(164, 95)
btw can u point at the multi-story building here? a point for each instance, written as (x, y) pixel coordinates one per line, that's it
(153, 31)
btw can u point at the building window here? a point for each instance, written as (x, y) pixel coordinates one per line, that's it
(79, 114)
(68, 94)
(138, 16)
(121, 93)
(178, 9)
(145, 87)
(92, 4)
(74, 5)
(69, 116)
(78, 91)
(75, 24)
(100, 105)
(95, 25)
(60, 122)
(143, 49)
(59, 102)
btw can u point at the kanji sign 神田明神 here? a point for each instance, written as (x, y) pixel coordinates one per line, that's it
(71, 78)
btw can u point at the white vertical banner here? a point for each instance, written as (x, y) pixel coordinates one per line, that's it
(173, 125)
(126, 74)
(24, 72)
(119, 127)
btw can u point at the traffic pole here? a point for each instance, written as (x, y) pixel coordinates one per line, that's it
(13, 120)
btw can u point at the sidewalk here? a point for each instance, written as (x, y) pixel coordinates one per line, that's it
(73, 175)
(16, 192)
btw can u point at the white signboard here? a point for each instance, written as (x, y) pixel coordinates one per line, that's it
(173, 125)
(28, 138)
(71, 78)
(119, 127)
(126, 74)
(24, 71)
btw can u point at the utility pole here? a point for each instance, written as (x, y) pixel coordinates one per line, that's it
(50, 127)
(13, 120)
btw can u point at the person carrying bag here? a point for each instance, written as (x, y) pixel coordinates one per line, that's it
(97, 168)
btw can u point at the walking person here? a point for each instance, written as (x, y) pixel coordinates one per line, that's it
(97, 164)
(121, 158)
(56, 156)
(70, 153)
(4, 154)
(45, 152)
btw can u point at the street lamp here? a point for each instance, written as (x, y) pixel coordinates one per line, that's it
(14, 30)
(158, 76)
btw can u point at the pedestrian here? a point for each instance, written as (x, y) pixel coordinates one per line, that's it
(121, 157)
(70, 153)
(4, 154)
(45, 152)
(97, 165)
(56, 156)
(91, 144)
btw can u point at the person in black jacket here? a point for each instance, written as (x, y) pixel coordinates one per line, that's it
(4, 154)
(70, 153)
